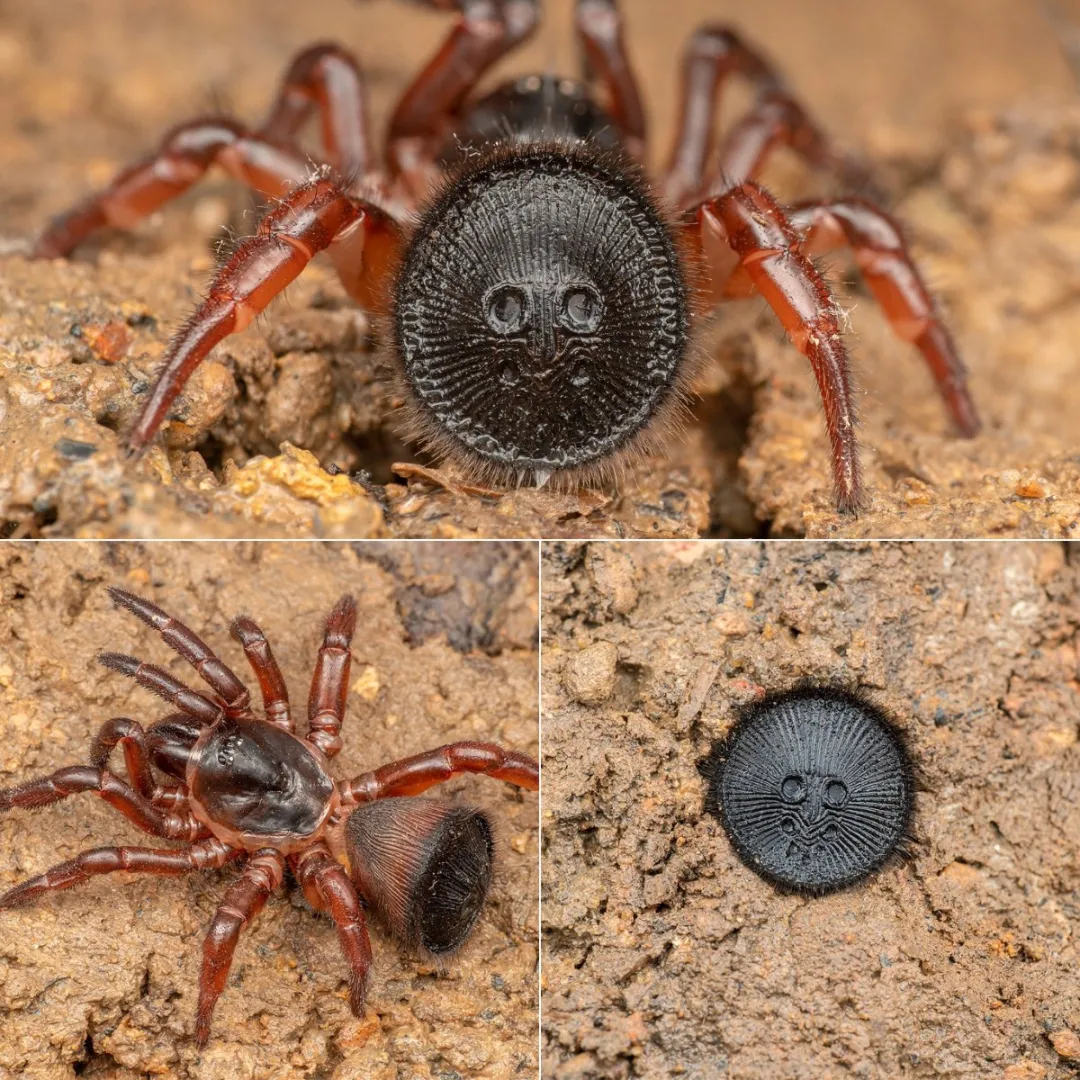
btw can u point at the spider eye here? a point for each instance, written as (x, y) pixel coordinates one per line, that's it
(506, 309)
(581, 309)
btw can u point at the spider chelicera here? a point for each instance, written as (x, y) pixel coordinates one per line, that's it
(236, 787)
(540, 289)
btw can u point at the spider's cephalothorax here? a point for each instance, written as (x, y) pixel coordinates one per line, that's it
(540, 312)
(534, 108)
(235, 786)
(540, 309)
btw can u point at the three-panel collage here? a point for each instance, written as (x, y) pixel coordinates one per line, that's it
(540, 540)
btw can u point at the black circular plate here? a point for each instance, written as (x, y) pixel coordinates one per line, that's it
(814, 788)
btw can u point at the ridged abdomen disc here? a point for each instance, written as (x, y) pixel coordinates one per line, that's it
(814, 788)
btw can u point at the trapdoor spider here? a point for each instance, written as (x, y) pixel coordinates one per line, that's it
(236, 787)
(539, 289)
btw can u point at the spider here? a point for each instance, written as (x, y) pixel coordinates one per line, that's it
(239, 788)
(539, 289)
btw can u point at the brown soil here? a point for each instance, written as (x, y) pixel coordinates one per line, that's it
(664, 955)
(967, 110)
(101, 981)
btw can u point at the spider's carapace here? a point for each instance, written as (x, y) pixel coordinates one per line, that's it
(541, 287)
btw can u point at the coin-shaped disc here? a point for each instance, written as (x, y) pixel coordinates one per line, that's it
(814, 788)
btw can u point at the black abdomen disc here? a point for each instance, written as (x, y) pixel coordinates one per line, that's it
(540, 312)
(814, 788)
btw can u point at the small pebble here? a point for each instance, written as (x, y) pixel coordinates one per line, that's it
(590, 675)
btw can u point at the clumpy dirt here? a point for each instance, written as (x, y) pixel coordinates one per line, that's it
(101, 981)
(663, 955)
(967, 112)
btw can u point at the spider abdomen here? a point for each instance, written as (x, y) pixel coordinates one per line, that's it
(424, 866)
(541, 312)
(255, 785)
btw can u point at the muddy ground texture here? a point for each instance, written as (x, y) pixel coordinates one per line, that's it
(101, 981)
(974, 138)
(665, 956)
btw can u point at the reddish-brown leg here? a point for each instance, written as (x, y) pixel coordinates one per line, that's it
(713, 54)
(878, 245)
(183, 157)
(78, 778)
(326, 79)
(275, 693)
(159, 681)
(747, 223)
(245, 899)
(202, 856)
(486, 31)
(599, 22)
(777, 119)
(217, 675)
(316, 216)
(330, 679)
(413, 775)
(325, 881)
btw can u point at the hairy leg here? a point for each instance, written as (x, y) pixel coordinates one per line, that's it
(326, 79)
(245, 899)
(330, 679)
(777, 119)
(216, 674)
(78, 778)
(202, 856)
(878, 245)
(600, 25)
(325, 881)
(486, 31)
(713, 54)
(275, 693)
(183, 157)
(312, 218)
(412, 775)
(744, 233)
(157, 680)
